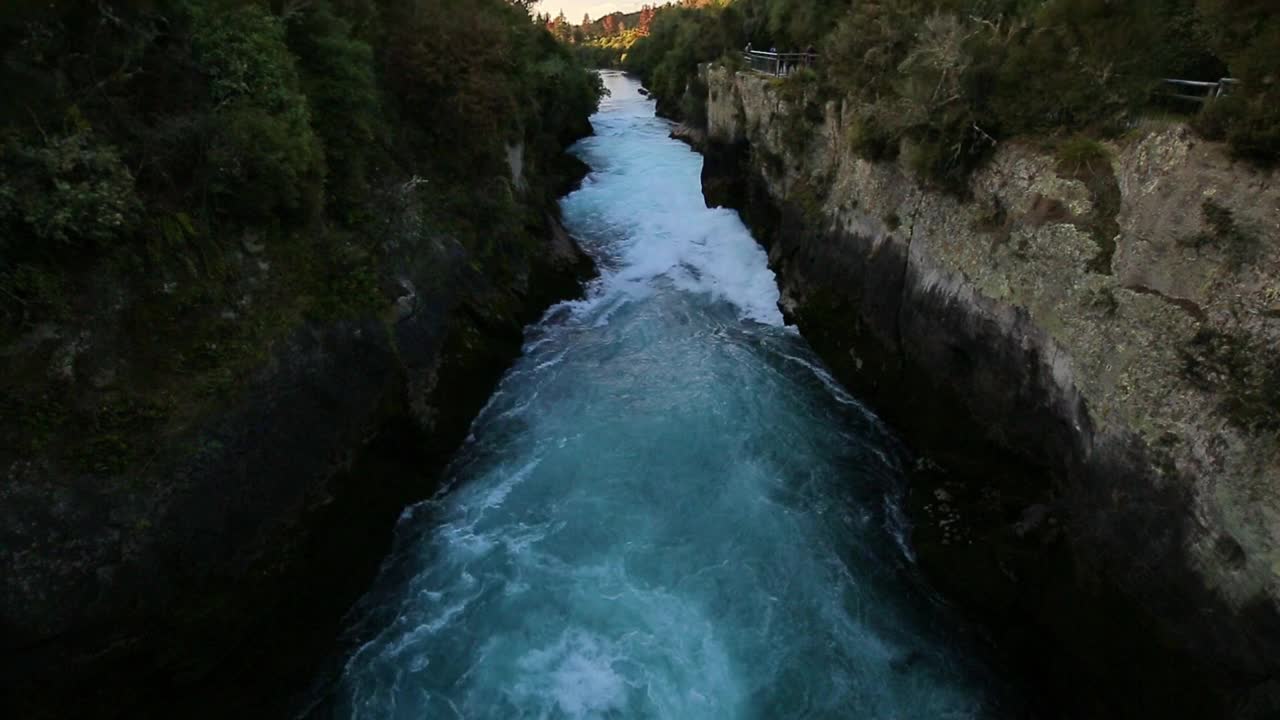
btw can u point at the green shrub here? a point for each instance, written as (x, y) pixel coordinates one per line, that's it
(29, 292)
(1081, 154)
(870, 138)
(682, 38)
(263, 164)
(1251, 123)
(862, 54)
(561, 97)
(339, 78)
(263, 154)
(732, 61)
(66, 192)
(1077, 64)
(921, 81)
(1247, 34)
(949, 78)
(789, 25)
(161, 157)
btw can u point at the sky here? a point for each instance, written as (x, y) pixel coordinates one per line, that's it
(573, 9)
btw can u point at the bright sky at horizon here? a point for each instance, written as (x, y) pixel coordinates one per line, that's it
(573, 9)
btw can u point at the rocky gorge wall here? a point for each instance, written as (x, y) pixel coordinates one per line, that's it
(210, 580)
(1087, 353)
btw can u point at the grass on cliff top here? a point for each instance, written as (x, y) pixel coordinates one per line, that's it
(1082, 155)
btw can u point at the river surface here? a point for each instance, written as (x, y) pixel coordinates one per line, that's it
(668, 509)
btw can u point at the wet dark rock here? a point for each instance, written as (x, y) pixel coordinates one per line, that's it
(694, 137)
(210, 582)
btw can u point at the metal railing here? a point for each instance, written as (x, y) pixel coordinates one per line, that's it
(1198, 91)
(778, 64)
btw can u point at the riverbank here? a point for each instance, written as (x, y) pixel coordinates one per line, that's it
(223, 594)
(260, 266)
(1087, 348)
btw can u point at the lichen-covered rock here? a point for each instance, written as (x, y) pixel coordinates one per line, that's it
(1094, 353)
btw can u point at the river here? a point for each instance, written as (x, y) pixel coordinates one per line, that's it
(668, 509)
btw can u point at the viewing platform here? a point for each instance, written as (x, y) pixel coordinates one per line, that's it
(778, 64)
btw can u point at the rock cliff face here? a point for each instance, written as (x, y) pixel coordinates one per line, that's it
(1090, 354)
(210, 581)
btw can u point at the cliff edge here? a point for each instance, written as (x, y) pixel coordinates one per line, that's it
(1088, 347)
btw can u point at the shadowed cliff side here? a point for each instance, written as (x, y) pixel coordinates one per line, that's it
(222, 592)
(262, 265)
(1086, 348)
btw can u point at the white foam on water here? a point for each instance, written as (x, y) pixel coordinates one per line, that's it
(575, 675)
(659, 229)
(670, 509)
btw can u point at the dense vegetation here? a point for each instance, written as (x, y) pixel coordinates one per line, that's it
(941, 80)
(185, 180)
(604, 42)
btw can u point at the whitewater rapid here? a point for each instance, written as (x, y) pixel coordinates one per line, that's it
(667, 510)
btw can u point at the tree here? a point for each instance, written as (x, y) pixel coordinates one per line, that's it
(646, 20)
(560, 28)
(609, 25)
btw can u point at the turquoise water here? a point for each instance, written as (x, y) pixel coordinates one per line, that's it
(668, 509)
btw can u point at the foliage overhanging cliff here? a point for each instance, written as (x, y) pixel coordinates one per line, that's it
(1084, 338)
(150, 146)
(942, 81)
(260, 264)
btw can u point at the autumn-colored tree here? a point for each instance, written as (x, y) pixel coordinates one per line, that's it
(646, 20)
(560, 28)
(609, 25)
